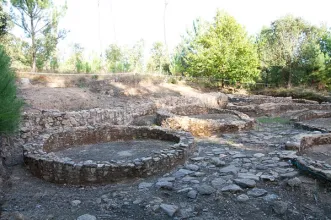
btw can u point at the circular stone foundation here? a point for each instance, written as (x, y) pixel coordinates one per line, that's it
(106, 154)
(203, 121)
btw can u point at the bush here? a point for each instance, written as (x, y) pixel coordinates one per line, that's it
(10, 105)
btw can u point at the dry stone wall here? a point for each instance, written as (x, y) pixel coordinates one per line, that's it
(43, 163)
(179, 119)
(275, 109)
(33, 125)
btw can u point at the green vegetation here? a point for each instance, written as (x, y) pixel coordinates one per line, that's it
(290, 52)
(224, 51)
(10, 105)
(39, 20)
(294, 52)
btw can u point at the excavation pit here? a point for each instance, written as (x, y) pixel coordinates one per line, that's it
(106, 154)
(203, 121)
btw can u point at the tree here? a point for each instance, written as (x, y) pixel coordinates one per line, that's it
(180, 59)
(10, 105)
(136, 56)
(114, 56)
(39, 22)
(281, 46)
(224, 51)
(3, 19)
(158, 60)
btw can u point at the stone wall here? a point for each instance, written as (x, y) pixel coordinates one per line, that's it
(43, 163)
(179, 119)
(33, 125)
(314, 140)
(275, 109)
(310, 114)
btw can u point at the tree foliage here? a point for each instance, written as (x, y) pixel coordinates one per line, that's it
(292, 51)
(158, 61)
(221, 50)
(39, 21)
(10, 105)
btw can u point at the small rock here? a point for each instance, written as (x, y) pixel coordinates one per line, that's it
(217, 162)
(267, 177)
(240, 155)
(145, 185)
(169, 209)
(87, 217)
(188, 179)
(181, 173)
(270, 197)
(280, 207)
(218, 183)
(245, 183)
(230, 169)
(197, 159)
(295, 182)
(192, 167)
(256, 192)
(283, 164)
(167, 179)
(187, 189)
(137, 201)
(242, 198)
(248, 176)
(25, 81)
(192, 194)
(164, 185)
(259, 155)
(261, 167)
(75, 202)
(198, 174)
(205, 189)
(232, 188)
(289, 175)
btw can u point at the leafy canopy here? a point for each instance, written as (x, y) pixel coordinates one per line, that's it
(223, 51)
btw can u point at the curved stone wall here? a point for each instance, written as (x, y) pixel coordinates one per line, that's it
(180, 119)
(43, 163)
(34, 124)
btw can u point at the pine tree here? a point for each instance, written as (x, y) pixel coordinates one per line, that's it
(10, 105)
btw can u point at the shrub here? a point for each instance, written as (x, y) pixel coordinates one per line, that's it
(10, 105)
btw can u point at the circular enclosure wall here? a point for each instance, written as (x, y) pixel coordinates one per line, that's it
(47, 159)
(202, 121)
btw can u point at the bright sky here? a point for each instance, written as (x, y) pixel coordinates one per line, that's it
(126, 21)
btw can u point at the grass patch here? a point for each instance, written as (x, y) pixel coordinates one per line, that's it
(273, 120)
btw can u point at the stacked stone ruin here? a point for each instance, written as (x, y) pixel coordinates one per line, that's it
(48, 131)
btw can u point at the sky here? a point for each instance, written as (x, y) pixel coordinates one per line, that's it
(97, 23)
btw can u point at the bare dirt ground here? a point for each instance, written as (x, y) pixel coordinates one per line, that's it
(235, 176)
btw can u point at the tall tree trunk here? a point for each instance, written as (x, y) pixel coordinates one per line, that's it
(33, 55)
(33, 39)
(289, 81)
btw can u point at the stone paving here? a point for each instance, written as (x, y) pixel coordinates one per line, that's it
(237, 176)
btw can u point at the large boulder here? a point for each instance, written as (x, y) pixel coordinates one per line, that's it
(213, 99)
